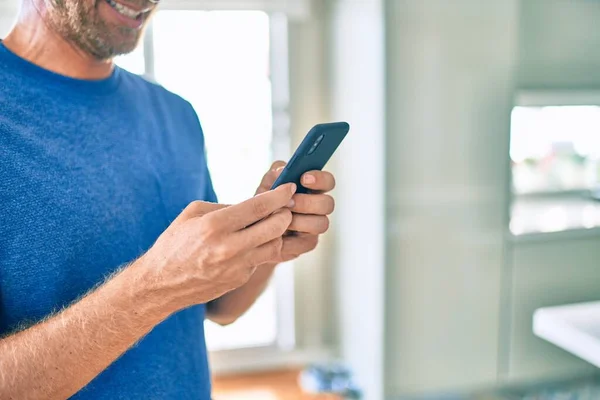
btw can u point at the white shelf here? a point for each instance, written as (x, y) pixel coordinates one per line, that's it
(574, 328)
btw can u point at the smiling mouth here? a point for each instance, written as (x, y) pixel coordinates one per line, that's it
(128, 11)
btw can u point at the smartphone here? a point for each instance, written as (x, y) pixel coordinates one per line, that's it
(313, 153)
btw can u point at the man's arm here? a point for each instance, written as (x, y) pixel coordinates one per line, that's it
(56, 358)
(309, 220)
(206, 252)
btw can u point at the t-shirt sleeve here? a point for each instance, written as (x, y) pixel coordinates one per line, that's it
(209, 190)
(211, 195)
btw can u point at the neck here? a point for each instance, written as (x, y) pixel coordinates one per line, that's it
(33, 40)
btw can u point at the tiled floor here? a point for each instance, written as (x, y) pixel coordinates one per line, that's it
(282, 385)
(277, 385)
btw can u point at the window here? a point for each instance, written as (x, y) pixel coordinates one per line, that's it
(221, 62)
(555, 162)
(555, 148)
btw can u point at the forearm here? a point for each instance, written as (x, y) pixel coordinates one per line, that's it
(56, 358)
(229, 307)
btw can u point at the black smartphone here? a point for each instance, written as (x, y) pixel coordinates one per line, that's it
(313, 153)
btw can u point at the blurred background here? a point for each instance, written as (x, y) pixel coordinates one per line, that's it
(467, 188)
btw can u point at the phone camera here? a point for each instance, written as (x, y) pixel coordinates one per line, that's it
(316, 144)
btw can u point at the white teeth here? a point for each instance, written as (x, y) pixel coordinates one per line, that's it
(123, 10)
(126, 11)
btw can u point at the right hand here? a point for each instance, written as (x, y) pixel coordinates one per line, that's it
(211, 249)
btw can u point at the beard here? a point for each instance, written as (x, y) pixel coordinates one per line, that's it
(80, 23)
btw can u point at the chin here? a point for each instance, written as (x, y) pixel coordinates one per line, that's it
(108, 48)
(123, 48)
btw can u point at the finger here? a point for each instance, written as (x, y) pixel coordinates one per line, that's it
(295, 246)
(197, 209)
(314, 224)
(317, 204)
(268, 252)
(241, 215)
(320, 181)
(264, 231)
(270, 177)
(277, 165)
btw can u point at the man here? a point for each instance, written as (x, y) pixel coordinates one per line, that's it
(108, 260)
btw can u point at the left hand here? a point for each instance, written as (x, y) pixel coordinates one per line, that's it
(309, 213)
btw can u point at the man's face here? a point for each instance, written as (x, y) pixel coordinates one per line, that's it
(101, 28)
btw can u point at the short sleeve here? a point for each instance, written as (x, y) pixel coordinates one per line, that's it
(209, 190)
(210, 194)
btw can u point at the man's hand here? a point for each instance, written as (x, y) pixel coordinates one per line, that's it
(212, 249)
(310, 211)
(309, 220)
(206, 252)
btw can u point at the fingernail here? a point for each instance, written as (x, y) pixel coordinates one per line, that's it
(309, 179)
(291, 204)
(293, 188)
(279, 169)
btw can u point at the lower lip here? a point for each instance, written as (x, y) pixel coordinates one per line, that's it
(130, 23)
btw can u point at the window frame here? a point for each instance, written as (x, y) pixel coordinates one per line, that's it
(542, 98)
(283, 279)
(549, 98)
(291, 8)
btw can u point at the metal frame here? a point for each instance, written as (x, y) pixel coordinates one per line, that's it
(281, 145)
(540, 98)
(149, 71)
(291, 8)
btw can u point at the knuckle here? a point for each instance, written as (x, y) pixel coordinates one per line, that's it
(209, 255)
(273, 231)
(246, 273)
(193, 209)
(275, 248)
(286, 215)
(208, 225)
(216, 252)
(194, 205)
(223, 252)
(285, 219)
(259, 208)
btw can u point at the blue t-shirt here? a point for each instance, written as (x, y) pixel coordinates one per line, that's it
(91, 173)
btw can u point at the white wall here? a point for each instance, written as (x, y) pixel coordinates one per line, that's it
(559, 49)
(560, 44)
(457, 305)
(358, 95)
(450, 83)
(8, 11)
(310, 106)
